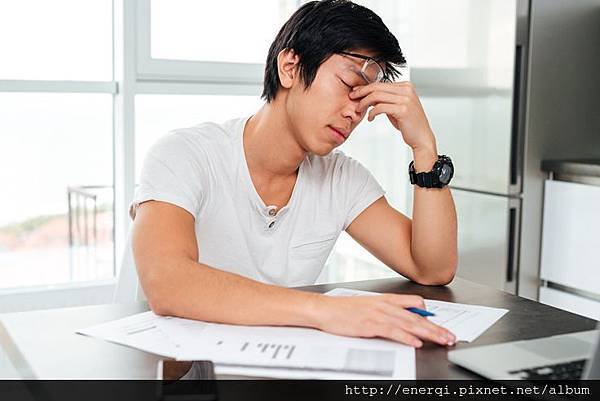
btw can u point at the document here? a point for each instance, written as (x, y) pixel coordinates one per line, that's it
(139, 331)
(291, 348)
(466, 322)
(262, 351)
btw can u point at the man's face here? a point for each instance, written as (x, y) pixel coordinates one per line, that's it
(323, 116)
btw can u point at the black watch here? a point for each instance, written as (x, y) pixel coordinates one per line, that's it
(439, 176)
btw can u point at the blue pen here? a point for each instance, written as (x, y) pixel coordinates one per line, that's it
(421, 312)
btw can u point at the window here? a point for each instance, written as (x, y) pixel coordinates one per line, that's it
(188, 29)
(204, 41)
(56, 142)
(56, 155)
(56, 40)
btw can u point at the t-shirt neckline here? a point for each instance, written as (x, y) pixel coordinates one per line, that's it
(258, 201)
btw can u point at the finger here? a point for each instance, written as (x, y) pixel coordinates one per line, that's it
(386, 108)
(423, 328)
(426, 330)
(406, 301)
(393, 88)
(394, 333)
(379, 97)
(398, 312)
(418, 325)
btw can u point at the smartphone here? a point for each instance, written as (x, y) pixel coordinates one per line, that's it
(186, 380)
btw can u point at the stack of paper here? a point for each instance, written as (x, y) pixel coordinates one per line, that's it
(288, 352)
(281, 352)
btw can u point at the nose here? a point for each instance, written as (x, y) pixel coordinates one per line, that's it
(351, 111)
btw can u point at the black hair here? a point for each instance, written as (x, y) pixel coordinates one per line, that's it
(319, 29)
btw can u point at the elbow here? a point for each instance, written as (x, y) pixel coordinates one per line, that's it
(153, 287)
(440, 275)
(435, 280)
(158, 308)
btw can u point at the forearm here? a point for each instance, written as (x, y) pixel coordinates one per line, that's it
(196, 291)
(434, 227)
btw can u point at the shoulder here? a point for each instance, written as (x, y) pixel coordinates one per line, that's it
(204, 134)
(196, 141)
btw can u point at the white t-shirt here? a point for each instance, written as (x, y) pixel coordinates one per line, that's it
(203, 170)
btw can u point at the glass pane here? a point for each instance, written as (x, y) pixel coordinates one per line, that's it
(187, 29)
(52, 147)
(458, 34)
(56, 40)
(482, 237)
(396, 16)
(475, 132)
(156, 115)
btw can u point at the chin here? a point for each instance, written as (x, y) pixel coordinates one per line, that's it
(322, 150)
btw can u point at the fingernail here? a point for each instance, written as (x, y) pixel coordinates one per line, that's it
(418, 344)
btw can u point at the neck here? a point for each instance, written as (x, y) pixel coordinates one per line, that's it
(270, 146)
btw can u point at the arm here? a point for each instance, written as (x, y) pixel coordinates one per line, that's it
(424, 249)
(166, 254)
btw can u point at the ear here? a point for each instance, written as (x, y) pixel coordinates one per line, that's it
(287, 67)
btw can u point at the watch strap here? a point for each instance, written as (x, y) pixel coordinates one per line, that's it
(424, 179)
(427, 179)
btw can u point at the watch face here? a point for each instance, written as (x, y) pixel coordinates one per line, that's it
(446, 173)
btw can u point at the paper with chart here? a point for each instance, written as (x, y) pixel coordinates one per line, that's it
(467, 322)
(289, 348)
(263, 351)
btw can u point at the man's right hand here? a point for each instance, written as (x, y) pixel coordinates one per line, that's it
(380, 316)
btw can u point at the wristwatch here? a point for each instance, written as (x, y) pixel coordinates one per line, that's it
(439, 176)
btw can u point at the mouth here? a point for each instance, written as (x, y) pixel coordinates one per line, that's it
(340, 132)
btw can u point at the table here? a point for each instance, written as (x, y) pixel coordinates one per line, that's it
(43, 344)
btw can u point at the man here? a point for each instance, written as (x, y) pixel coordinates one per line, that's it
(227, 216)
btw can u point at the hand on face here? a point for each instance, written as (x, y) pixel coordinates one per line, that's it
(400, 103)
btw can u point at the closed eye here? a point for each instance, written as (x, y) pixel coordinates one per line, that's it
(347, 86)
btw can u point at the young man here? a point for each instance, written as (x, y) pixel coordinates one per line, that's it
(227, 216)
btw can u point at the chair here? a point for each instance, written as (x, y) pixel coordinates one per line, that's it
(128, 287)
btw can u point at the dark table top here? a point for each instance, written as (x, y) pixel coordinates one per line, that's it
(43, 344)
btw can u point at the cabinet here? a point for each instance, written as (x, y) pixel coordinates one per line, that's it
(570, 260)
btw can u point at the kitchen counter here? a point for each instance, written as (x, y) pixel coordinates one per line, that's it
(586, 167)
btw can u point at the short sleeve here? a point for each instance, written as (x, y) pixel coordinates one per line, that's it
(361, 189)
(171, 172)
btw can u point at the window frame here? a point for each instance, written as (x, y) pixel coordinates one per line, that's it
(154, 69)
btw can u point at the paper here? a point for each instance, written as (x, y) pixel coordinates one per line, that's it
(466, 322)
(280, 352)
(138, 331)
(325, 354)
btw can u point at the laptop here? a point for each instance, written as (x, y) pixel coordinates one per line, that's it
(563, 357)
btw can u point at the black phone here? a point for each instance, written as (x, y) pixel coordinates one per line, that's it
(186, 380)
